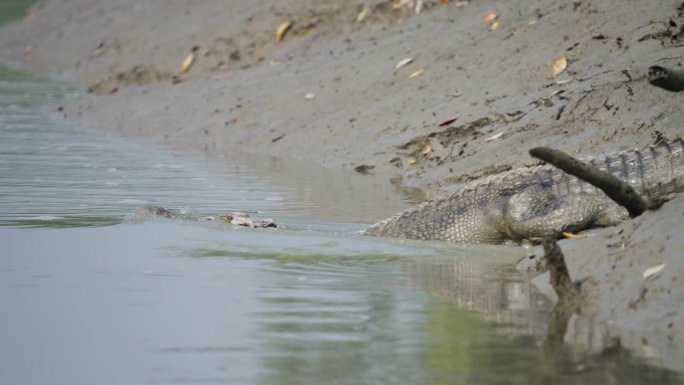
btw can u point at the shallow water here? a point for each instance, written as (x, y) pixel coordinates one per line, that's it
(90, 297)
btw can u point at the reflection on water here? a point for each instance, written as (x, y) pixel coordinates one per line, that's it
(148, 310)
(168, 301)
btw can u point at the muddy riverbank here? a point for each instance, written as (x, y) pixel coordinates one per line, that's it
(475, 96)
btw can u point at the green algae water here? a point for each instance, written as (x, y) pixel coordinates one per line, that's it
(12, 9)
(92, 295)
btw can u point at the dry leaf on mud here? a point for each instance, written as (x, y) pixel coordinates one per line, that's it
(448, 121)
(30, 15)
(559, 66)
(404, 62)
(494, 137)
(416, 73)
(27, 52)
(489, 17)
(412, 160)
(362, 15)
(419, 6)
(653, 270)
(363, 169)
(282, 28)
(561, 82)
(187, 63)
(100, 49)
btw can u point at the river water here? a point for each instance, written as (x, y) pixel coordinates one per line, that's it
(92, 294)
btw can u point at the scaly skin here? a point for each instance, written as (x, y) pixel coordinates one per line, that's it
(540, 201)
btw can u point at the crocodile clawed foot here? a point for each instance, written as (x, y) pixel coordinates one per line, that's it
(574, 235)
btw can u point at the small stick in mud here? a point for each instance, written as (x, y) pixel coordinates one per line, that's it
(665, 78)
(558, 271)
(619, 191)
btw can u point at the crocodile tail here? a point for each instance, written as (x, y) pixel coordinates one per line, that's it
(378, 229)
(661, 171)
(656, 172)
(399, 225)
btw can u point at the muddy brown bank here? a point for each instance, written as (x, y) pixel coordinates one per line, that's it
(471, 103)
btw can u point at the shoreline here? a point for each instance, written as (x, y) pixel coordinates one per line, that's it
(330, 91)
(470, 103)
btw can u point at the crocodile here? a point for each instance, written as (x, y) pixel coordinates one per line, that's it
(239, 219)
(535, 202)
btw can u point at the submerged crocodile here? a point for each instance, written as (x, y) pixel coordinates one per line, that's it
(534, 202)
(239, 219)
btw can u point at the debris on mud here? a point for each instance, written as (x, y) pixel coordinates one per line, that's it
(665, 78)
(137, 75)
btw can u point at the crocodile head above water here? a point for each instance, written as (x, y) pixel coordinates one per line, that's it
(239, 219)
